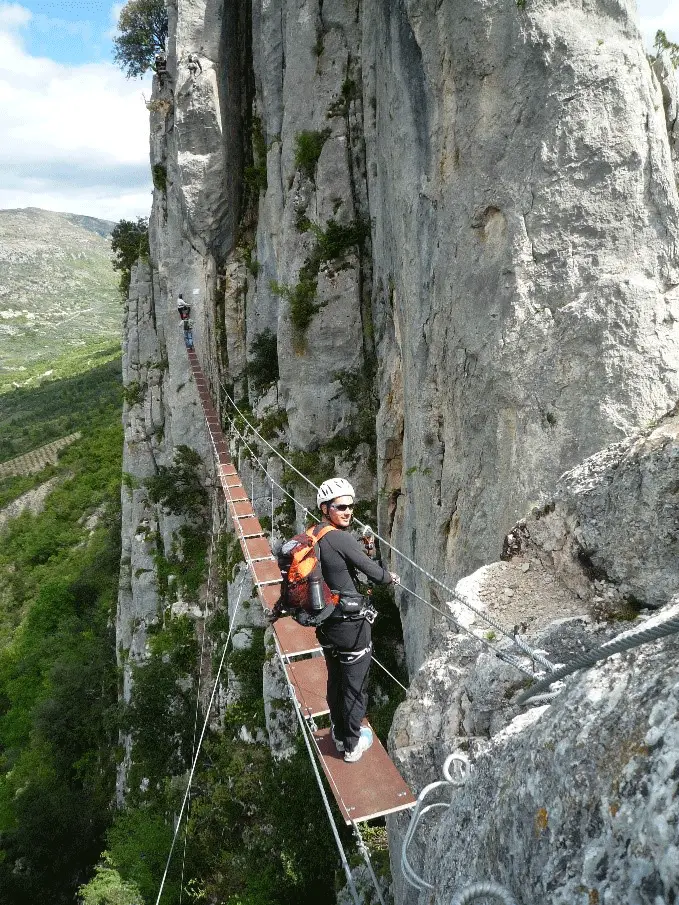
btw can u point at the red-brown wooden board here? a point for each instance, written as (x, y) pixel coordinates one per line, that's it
(266, 571)
(269, 593)
(369, 788)
(237, 495)
(241, 508)
(294, 639)
(309, 678)
(250, 527)
(256, 547)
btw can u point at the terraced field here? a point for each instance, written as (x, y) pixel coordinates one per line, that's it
(37, 459)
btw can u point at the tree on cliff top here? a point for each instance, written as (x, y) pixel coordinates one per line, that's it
(143, 32)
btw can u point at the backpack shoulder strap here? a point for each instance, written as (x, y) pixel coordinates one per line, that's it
(318, 535)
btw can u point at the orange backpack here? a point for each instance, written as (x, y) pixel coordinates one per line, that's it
(301, 569)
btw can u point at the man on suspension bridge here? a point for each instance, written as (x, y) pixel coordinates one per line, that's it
(346, 635)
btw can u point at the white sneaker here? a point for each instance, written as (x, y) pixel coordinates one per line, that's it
(339, 744)
(365, 740)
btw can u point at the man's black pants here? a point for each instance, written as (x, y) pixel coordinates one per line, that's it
(347, 647)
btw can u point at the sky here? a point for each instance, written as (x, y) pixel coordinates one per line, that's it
(74, 130)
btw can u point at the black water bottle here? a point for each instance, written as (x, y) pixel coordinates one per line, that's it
(316, 601)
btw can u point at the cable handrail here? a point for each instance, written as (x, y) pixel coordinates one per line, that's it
(447, 616)
(512, 636)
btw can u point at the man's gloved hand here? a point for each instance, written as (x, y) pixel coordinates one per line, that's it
(305, 618)
(395, 578)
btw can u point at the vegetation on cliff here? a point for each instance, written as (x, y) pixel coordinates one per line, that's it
(142, 27)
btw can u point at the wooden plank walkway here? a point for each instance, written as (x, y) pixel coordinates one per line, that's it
(372, 787)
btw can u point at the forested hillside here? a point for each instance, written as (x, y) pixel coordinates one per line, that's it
(58, 584)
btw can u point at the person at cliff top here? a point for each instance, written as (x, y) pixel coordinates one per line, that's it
(160, 65)
(346, 636)
(193, 64)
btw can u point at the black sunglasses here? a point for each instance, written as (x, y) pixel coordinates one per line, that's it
(342, 507)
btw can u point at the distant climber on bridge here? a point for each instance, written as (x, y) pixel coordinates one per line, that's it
(188, 333)
(346, 636)
(183, 309)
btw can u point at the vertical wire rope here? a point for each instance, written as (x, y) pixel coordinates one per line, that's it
(200, 740)
(326, 803)
(200, 677)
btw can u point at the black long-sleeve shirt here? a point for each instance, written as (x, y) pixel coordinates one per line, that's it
(342, 557)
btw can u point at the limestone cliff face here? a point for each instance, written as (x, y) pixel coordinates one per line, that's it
(516, 293)
(461, 214)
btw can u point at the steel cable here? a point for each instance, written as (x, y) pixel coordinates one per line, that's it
(629, 641)
(447, 616)
(482, 890)
(200, 740)
(525, 648)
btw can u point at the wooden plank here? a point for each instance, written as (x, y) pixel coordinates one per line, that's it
(295, 639)
(309, 678)
(369, 788)
(268, 593)
(266, 571)
(250, 527)
(241, 509)
(237, 495)
(256, 547)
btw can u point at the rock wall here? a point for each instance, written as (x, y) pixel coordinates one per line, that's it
(458, 221)
(568, 800)
(511, 166)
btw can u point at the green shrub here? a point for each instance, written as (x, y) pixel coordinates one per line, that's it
(348, 93)
(159, 174)
(331, 244)
(129, 243)
(262, 368)
(255, 175)
(134, 393)
(178, 487)
(302, 301)
(662, 43)
(308, 147)
(273, 423)
(336, 240)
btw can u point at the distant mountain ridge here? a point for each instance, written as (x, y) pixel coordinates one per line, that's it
(58, 289)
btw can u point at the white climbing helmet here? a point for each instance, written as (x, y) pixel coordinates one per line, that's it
(333, 488)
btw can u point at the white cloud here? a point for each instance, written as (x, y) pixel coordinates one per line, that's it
(73, 138)
(12, 15)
